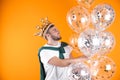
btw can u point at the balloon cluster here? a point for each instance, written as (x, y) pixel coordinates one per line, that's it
(94, 43)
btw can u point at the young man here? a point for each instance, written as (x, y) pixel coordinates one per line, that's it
(54, 55)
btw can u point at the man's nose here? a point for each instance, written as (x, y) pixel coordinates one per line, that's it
(58, 32)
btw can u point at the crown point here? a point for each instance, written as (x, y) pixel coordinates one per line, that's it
(42, 20)
(44, 26)
(46, 18)
(38, 27)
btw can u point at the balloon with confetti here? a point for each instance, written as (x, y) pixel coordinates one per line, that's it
(108, 42)
(79, 71)
(103, 68)
(78, 18)
(86, 3)
(89, 42)
(102, 16)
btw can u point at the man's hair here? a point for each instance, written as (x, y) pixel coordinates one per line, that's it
(48, 30)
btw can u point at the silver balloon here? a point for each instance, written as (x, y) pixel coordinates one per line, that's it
(79, 71)
(102, 16)
(108, 42)
(89, 42)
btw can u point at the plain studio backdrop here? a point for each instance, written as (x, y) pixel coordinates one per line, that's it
(19, 46)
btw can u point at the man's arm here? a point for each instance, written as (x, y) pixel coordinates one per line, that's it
(63, 62)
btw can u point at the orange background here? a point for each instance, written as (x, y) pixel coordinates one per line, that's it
(18, 46)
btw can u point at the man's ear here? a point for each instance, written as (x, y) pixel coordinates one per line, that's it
(47, 35)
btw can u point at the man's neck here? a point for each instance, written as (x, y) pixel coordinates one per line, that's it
(52, 42)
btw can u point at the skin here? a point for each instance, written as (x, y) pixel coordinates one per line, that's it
(52, 39)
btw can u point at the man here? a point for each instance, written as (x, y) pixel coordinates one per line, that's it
(54, 55)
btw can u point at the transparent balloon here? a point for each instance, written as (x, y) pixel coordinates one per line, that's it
(74, 42)
(103, 68)
(102, 16)
(89, 42)
(78, 18)
(108, 42)
(79, 71)
(86, 3)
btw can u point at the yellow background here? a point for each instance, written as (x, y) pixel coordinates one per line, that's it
(18, 46)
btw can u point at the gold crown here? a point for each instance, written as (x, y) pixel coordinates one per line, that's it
(45, 24)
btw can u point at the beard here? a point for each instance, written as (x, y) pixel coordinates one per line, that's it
(56, 38)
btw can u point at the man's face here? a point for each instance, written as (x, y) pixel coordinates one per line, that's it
(54, 33)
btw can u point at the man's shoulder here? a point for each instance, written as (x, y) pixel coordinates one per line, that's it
(48, 47)
(63, 44)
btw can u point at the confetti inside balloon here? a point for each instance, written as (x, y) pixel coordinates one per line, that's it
(103, 68)
(79, 71)
(89, 42)
(102, 16)
(78, 18)
(108, 42)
